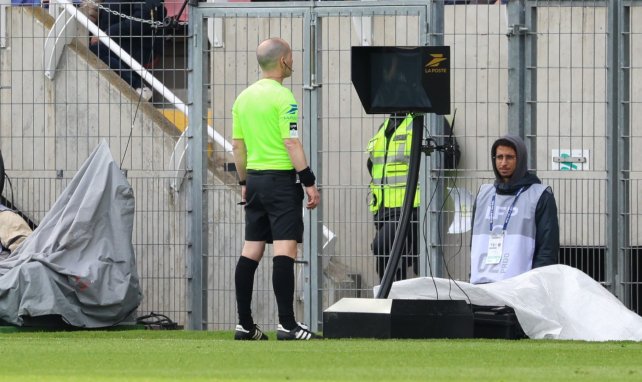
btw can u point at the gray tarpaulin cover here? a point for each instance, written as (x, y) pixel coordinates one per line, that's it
(556, 301)
(79, 263)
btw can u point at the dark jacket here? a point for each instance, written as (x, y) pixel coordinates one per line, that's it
(136, 38)
(547, 233)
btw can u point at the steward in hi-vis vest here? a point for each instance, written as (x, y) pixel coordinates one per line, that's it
(389, 154)
(515, 226)
(388, 162)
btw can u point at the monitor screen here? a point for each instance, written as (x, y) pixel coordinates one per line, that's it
(402, 79)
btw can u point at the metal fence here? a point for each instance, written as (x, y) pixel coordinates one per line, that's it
(559, 73)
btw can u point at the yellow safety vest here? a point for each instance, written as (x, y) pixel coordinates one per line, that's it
(390, 162)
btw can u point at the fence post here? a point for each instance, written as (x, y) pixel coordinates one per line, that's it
(516, 67)
(313, 266)
(617, 226)
(529, 70)
(612, 196)
(430, 176)
(624, 270)
(197, 229)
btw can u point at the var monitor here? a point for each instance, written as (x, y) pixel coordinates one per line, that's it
(391, 79)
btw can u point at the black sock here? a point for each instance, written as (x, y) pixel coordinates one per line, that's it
(244, 280)
(283, 284)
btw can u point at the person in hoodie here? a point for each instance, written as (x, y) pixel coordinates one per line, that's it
(515, 226)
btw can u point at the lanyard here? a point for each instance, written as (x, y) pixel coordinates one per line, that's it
(508, 214)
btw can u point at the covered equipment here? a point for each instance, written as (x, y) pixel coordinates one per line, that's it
(78, 265)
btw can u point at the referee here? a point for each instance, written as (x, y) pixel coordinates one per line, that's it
(269, 158)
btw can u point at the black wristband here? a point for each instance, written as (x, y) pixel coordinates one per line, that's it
(242, 182)
(306, 176)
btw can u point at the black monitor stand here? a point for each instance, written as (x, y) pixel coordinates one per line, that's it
(406, 80)
(406, 209)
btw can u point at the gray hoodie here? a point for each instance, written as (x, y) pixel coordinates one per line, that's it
(522, 157)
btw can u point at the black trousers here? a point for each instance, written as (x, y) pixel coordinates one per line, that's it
(386, 223)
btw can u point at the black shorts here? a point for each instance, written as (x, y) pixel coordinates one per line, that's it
(274, 209)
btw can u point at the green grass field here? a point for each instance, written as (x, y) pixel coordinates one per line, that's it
(138, 355)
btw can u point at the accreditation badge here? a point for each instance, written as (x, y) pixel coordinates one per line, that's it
(495, 247)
